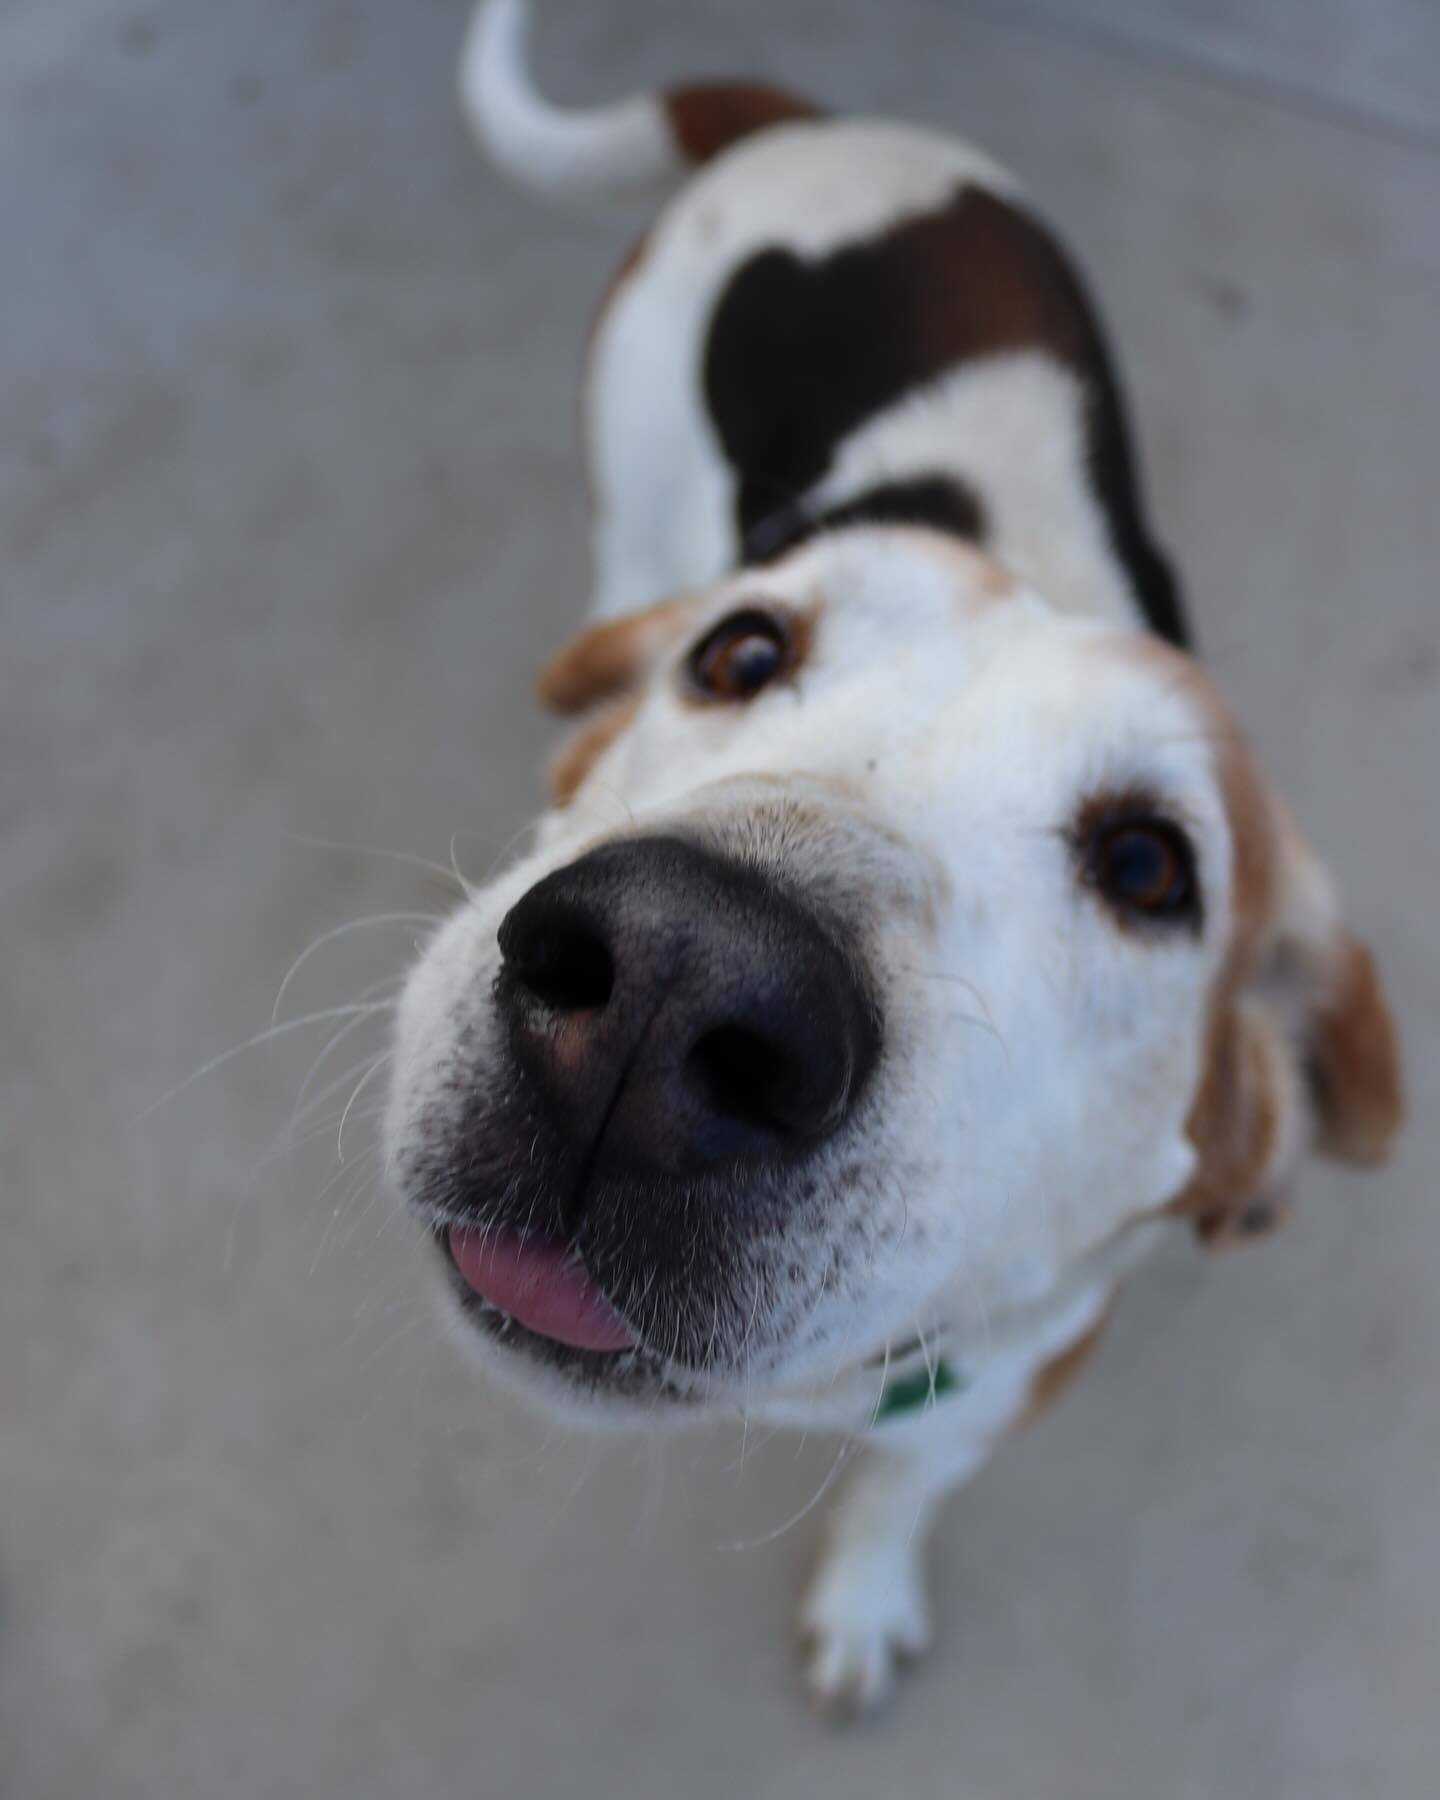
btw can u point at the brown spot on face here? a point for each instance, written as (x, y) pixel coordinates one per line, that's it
(802, 351)
(607, 658)
(708, 117)
(1253, 840)
(579, 754)
(1354, 1063)
(1052, 1378)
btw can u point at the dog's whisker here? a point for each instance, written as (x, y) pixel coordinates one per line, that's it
(292, 1143)
(329, 1091)
(925, 1358)
(987, 1023)
(261, 1037)
(339, 931)
(842, 1455)
(880, 1389)
(360, 1086)
(374, 989)
(372, 1188)
(502, 856)
(400, 856)
(609, 791)
(365, 1183)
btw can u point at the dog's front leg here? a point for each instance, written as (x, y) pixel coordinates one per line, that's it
(866, 1612)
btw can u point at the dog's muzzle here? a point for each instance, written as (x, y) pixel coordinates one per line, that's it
(682, 1036)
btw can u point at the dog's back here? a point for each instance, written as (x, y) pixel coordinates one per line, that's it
(834, 321)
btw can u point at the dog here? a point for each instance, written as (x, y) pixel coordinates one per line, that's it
(913, 938)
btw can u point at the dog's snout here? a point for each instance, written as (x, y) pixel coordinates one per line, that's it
(674, 1009)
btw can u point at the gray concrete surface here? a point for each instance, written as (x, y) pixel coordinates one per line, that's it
(289, 510)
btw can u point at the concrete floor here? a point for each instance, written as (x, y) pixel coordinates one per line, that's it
(289, 510)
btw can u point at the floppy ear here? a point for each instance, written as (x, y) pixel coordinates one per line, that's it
(1302, 1053)
(607, 659)
(1347, 1035)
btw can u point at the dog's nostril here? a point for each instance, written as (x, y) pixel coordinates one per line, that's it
(746, 1077)
(567, 968)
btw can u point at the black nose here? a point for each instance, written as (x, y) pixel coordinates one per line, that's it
(673, 1009)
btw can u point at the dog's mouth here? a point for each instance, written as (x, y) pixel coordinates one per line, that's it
(533, 1298)
(541, 1286)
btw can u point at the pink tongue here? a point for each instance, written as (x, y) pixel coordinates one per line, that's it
(543, 1286)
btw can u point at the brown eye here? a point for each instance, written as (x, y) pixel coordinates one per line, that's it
(741, 655)
(1146, 867)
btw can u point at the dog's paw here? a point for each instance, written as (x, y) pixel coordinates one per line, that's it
(864, 1618)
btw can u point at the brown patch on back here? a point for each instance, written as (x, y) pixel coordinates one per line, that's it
(579, 754)
(1052, 1378)
(708, 117)
(608, 658)
(804, 350)
(1354, 1063)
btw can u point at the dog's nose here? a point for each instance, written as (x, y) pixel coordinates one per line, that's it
(673, 1009)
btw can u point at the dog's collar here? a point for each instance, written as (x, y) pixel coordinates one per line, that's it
(918, 1387)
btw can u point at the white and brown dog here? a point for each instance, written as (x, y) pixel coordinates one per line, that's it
(913, 936)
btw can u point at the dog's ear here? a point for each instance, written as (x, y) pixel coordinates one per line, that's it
(1349, 1044)
(1303, 1051)
(607, 659)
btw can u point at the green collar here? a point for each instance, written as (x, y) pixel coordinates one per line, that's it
(919, 1391)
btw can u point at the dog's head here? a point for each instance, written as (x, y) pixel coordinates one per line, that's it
(892, 935)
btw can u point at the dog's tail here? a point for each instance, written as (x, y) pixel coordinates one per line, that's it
(639, 147)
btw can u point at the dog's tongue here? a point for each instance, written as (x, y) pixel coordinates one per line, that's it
(543, 1286)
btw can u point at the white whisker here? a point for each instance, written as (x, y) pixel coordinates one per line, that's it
(261, 1037)
(826, 1484)
(378, 1064)
(327, 937)
(403, 856)
(367, 993)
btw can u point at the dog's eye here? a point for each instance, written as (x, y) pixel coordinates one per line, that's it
(740, 655)
(1146, 868)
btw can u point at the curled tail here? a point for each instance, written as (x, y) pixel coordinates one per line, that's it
(639, 147)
